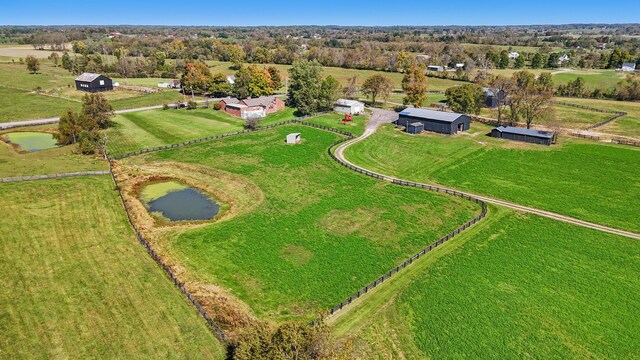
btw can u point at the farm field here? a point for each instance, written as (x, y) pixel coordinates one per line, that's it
(514, 285)
(592, 78)
(81, 285)
(587, 180)
(627, 126)
(567, 116)
(333, 120)
(317, 231)
(51, 161)
(341, 74)
(18, 101)
(150, 128)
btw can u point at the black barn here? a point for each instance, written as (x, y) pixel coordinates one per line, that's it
(93, 82)
(521, 134)
(436, 121)
(491, 100)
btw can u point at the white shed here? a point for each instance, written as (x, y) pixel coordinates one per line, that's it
(293, 138)
(348, 106)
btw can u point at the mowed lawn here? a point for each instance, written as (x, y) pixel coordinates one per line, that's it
(320, 233)
(50, 161)
(77, 284)
(151, 128)
(584, 179)
(515, 286)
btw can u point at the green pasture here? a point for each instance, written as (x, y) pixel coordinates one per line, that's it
(584, 179)
(79, 285)
(320, 234)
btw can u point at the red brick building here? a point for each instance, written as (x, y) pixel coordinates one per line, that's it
(251, 107)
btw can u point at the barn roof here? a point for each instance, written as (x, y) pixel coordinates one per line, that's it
(430, 114)
(230, 100)
(488, 91)
(236, 106)
(87, 77)
(523, 131)
(347, 102)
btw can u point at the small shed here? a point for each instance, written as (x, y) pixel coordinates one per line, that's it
(437, 121)
(415, 128)
(348, 106)
(293, 138)
(93, 82)
(628, 67)
(526, 135)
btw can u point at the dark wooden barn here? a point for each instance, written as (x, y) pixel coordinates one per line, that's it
(526, 135)
(415, 128)
(93, 82)
(437, 121)
(491, 99)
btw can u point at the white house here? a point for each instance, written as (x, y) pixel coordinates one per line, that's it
(628, 67)
(459, 66)
(231, 79)
(513, 55)
(435, 68)
(348, 106)
(164, 85)
(563, 58)
(293, 138)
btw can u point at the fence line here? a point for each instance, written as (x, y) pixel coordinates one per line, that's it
(53, 176)
(164, 266)
(422, 252)
(210, 138)
(347, 136)
(617, 114)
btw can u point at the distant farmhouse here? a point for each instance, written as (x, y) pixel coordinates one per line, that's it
(435, 68)
(628, 67)
(175, 84)
(251, 108)
(432, 120)
(526, 135)
(513, 55)
(91, 82)
(348, 106)
(563, 59)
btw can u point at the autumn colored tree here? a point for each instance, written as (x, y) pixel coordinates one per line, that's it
(97, 111)
(276, 78)
(252, 81)
(532, 98)
(377, 86)
(196, 77)
(414, 84)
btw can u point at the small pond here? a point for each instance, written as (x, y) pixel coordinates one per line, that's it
(31, 141)
(179, 202)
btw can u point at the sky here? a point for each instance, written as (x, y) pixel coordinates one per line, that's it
(315, 12)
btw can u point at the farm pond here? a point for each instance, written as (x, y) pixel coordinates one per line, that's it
(178, 202)
(31, 141)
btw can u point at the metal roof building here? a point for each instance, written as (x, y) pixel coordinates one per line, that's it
(437, 121)
(526, 135)
(348, 106)
(93, 82)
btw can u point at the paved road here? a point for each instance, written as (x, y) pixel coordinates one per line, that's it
(54, 120)
(384, 116)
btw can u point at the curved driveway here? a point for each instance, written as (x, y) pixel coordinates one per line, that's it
(384, 117)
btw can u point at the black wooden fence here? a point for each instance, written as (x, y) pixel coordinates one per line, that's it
(165, 267)
(422, 252)
(617, 114)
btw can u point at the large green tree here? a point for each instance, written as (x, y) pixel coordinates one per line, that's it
(219, 86)
(414, 84)
(97, 111)
(329, 91)
(466, 99)
(532, 98)
(33, 64)
(252, 81)
(196, 77)
(305, 86)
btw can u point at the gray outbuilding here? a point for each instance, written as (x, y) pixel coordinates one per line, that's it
(415, 128)
(526, 135)
(437, 121)
(91, 82)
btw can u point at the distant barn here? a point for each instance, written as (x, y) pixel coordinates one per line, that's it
(521, 134)
(93, 82)
(437, 121)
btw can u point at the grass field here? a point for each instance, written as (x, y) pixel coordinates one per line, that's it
(592, 78)
(145, 129)
(319, 233)
(514, 286)
(568, 116)
(587, 180)
(81, 286)
(51, 161)
(627, 126)
(333, 120)
(341, 74)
